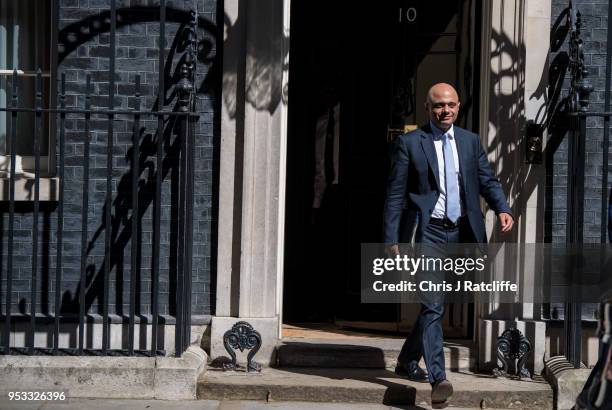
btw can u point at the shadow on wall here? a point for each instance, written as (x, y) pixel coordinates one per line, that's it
(83, 31)
(70, 38)
(256, 79)
(121, 228)
(507, 116)
(554, 118)
(264, 61)
(508, 140)
(122, 212)
(263, 92)
(521, 180)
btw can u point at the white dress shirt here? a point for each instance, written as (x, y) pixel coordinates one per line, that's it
(440, 208)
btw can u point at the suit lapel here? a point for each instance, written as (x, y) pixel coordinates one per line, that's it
(430, 152)
(461, 153)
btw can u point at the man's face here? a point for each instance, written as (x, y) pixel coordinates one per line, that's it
(442, 106)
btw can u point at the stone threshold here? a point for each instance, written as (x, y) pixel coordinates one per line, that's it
(380, 386)
(371, 353)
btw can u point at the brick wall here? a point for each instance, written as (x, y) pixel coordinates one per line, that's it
(84, 49)
(594, 34)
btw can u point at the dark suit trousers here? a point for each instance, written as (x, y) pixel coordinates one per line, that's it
(426, 338)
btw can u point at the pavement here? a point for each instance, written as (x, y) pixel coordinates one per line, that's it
(128, 404)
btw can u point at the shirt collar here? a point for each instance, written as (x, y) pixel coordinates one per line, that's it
(438, 133)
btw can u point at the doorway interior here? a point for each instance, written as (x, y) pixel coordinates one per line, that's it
(359, 74)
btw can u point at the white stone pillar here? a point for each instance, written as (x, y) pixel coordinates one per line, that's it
(230, 175)
(516, 38)
(252, 178)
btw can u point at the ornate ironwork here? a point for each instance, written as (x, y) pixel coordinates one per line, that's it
(580, 87)
(513, 346)
(185, 85)
(67, 40)
(534, 133)
(240, 337)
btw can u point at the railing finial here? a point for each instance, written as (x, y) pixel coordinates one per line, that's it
(580, 87)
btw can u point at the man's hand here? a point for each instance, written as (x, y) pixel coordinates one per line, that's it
(506, 222)
(393, 250)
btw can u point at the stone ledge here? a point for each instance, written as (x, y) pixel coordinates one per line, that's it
(566, 381)
(167, 378)
(24, 188)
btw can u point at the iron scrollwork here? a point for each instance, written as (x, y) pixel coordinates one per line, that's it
(513, 346)
(185, 85)
(580, 87)
(240, 337)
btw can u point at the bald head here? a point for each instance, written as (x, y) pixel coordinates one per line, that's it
(441, 90)
(442, 105)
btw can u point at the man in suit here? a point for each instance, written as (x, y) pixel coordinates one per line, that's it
(438, 174)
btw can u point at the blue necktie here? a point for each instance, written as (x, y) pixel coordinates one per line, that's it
(453, 207)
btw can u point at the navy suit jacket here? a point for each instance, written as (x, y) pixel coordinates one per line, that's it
(414, 185)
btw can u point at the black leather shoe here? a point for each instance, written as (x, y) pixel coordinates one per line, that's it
(411, 372)
(440, 393)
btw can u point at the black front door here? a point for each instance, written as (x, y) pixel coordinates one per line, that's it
(358, 77)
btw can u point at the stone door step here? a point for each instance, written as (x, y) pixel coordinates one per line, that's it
(369, 386)
(370, 353)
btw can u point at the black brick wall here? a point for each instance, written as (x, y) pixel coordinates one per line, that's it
(86, 51)
(594, 33)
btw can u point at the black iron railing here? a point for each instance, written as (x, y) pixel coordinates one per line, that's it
(580, 88)
(184, 114)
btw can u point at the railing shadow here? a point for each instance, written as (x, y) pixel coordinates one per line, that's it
(70, 38)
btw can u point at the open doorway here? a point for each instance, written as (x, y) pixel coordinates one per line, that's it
(359, 74)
